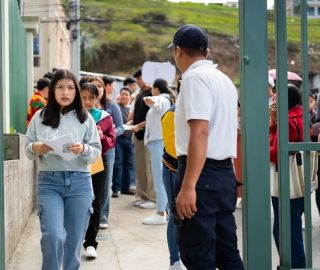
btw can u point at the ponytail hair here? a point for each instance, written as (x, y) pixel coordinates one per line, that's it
(163, 87)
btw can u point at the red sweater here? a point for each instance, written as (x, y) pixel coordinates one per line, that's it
(295, 112)
(108, 140)
(36, 102)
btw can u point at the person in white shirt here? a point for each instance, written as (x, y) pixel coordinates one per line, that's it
(206, 142)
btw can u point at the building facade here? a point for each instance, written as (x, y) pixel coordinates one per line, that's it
(52, 43)
(313, 9)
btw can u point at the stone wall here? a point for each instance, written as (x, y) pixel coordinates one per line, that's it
(19, 195)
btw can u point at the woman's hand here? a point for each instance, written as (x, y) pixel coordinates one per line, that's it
(148, 100)
(100, 132)
(40, 148)
(135, 128)
(273, 113)
(76, 148)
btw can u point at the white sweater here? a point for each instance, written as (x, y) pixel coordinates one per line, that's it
(153, 129)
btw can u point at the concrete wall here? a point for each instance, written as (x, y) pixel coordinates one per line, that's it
(19, 195)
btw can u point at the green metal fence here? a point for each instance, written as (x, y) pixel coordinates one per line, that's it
(254, 111)
(2, 229)
(18, 69)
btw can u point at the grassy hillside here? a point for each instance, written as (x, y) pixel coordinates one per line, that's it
(127, 33)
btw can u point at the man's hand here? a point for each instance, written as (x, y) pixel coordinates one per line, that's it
(40, 148)
(186, 202)
(197, 149)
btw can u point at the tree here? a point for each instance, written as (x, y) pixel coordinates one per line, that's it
(89, 48)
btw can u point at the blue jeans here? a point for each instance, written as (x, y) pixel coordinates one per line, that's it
(105, 204)
(298, 259)
(171, 229)
(156, 150)
(208, 240)
(64, 206)
(123, 164)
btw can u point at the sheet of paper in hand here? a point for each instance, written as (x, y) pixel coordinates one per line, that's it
(59, 145)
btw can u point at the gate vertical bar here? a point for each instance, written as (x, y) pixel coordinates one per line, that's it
(2, 229)
(253, 39)
(282, 127)
(306, 133)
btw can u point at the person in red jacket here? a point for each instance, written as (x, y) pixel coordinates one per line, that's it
(89, 94)
(297, 204)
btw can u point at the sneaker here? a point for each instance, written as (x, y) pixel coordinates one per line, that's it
(115, 194)
(139, 202)
(304, 226)
(148, 205)
(239, 205)
(176, 266)
(155, 220)
(91, 252)
(103, 225)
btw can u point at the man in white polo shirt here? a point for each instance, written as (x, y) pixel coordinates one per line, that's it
(206, 141)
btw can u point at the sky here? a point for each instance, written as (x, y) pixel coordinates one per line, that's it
(270, 2)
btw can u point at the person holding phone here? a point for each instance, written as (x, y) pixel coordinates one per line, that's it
(64, 187)
(295, 123)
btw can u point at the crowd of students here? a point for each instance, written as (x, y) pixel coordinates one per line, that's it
(131, 143)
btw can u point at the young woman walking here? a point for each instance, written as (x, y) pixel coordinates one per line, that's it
(64, 188)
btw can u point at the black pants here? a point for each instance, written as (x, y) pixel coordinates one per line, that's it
(98, 183)
(208, 240)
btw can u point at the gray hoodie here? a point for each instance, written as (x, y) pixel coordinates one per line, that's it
(69, 123)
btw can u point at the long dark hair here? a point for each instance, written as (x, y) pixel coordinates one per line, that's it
(107, 80)
(91, 88)
(51, 112)
(104, 100)
(163, 87)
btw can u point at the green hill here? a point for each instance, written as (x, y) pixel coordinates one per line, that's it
(125, 34)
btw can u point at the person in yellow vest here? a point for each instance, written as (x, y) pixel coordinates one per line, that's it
(170, 164)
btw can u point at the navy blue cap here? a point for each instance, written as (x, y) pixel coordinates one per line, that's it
(190, 36)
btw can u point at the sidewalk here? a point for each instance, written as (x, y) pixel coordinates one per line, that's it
(128, 244)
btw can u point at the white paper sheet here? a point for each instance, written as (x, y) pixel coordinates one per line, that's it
(59, 145)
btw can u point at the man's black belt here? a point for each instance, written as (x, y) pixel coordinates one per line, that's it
(227, 161)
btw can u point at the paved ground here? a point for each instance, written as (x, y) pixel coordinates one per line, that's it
(127, 244)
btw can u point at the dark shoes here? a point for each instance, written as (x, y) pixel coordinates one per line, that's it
(128, 192)
(115, 194)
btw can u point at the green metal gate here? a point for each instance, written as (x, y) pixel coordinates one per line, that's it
(255, 143)
(2, 229)
(18, 69)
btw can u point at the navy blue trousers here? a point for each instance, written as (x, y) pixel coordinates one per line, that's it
(298, 258)
(208, 240)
